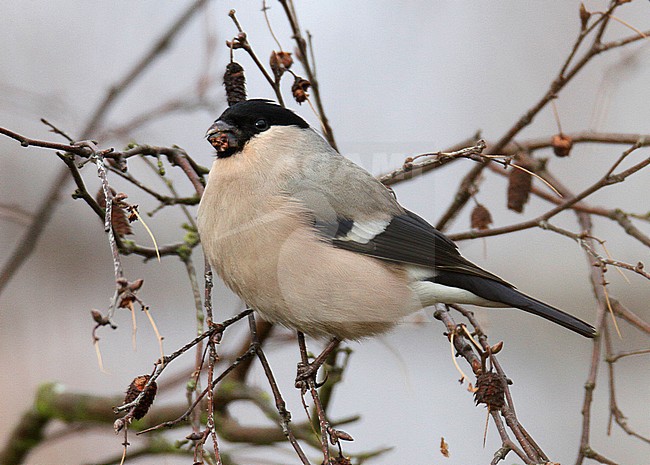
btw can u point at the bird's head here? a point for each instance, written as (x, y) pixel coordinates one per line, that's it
(246, 120)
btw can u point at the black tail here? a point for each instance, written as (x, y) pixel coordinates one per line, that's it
(502, 293)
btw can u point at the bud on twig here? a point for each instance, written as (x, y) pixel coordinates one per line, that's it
(340, 434)
(496, 348)
(98, 317)
(584, 16)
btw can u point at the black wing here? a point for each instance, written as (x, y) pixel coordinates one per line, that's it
(409, 239)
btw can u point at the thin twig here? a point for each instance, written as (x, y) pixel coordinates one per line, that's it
(280, 404)
(606, 180)
(566, 74)
(303, 56)
(162, 364)
(241, 41)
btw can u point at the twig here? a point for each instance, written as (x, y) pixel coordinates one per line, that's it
(193, 384)
(530, 145)
(608, 179)
(581, 137)
(176, 156)
(281, 406)
(265, 9)
(432, 160)
(462, 345)
(615, 414)
(303, 56)
(580, 239)
(590, 385)
(160, 365)
(530, 452)
(309, 383)
(241, 41)
(169, 424)
(615, 357)
(56, 130)
(566, 74)
(263, 331)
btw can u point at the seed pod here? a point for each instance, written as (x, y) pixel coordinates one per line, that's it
(519, 185)
(299, 89)
(235, 83)
(562, 145)
(286, 59)
(134, 390)
(480, 218)
(490, 390)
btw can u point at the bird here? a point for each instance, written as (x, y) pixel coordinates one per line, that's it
(314, 242)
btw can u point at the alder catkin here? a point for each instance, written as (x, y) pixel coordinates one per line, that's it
(519, 185)
(235, 83)
(119, 216)
(480, 218)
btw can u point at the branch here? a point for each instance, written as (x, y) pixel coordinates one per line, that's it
(433, 160)
(45, 210)
(160, 365)
(608, 179)
(144, 63)
(615, 414)
(85, 149)
(303, 56)
(565, 75)
(241, 41)
(281, 406)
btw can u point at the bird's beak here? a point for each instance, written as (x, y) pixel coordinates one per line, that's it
(224, 138)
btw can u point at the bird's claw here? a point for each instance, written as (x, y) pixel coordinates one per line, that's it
(306, 372)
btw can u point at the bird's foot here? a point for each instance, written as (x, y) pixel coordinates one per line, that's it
(306, 372)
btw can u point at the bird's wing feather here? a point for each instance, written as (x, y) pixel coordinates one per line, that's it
(409, 239)
(354, 211)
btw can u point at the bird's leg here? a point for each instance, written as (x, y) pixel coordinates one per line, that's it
(308, 370)
(306, 381)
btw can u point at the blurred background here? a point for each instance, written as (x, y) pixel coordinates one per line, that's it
(396, 80)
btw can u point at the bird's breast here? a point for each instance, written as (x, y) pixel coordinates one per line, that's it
(263, 246)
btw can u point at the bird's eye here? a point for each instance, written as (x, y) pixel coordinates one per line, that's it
(261, 125)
